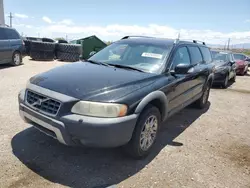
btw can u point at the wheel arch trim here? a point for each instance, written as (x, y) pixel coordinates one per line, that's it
(155, 95)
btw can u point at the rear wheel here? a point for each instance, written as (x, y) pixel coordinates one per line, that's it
(16, 59)
(202, 102)
(145, 133)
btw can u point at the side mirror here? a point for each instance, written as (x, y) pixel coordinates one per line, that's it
(247, 59)
(182, 69)
(232, 62)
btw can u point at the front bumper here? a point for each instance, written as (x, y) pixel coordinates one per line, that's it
(219, 77)
(72, 129)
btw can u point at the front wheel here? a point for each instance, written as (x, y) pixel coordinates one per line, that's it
(202, 102)
(234, 78)
(16, 59)
(225, 83)
(145, 133)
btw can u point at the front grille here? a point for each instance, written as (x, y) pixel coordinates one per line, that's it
(42, 103)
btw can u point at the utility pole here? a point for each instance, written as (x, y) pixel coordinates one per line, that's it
(228, 43)
(66, 38)
(11, 17)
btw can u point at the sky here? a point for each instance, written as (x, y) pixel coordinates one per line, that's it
(212, 21)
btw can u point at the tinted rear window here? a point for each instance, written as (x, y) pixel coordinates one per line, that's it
(206, 54)
(196, 56)
(2, 34)
(12, 34)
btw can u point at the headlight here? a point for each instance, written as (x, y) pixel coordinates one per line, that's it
(22, 94)
(27, 83)
(99, 109)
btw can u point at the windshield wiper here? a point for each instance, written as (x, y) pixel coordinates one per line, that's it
(97, 62)
(125, 67)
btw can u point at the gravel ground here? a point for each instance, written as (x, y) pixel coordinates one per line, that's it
(208, 148)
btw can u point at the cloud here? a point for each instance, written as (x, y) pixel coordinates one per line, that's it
(66, 22)
(116, 31)
(23, 26)
(20, 15)
(47, 19)
(247, 21)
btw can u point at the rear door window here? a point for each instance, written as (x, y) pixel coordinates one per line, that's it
(195, 53)
(12, 34)
(206, 54)
(2, 34)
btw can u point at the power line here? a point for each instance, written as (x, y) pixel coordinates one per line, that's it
(11, 17)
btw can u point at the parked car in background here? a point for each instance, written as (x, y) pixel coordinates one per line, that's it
(241, 63)
(109, 102)
(248, 61)
(225, 67)
(11, 46)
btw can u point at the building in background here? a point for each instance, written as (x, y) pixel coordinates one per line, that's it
(2, 22)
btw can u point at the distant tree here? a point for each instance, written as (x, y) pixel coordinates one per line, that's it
(59, 38)
(109, 42)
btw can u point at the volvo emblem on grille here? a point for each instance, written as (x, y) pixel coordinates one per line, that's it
(39, 102)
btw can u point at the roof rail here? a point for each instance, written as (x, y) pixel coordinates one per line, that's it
(126, 37)
(201, 42)
(194, 41)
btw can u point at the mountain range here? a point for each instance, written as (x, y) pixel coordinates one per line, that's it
(233, 46)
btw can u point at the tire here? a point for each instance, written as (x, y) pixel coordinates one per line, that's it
(135, 148)
(47, 40)
(234, 78)
(42, 46)
(225, 82)
(62, 41)
(16, 58)
(203, 100)
(72, 57)
(42, 55)
(70, 48)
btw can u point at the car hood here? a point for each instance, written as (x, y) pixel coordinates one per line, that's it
(87, 81)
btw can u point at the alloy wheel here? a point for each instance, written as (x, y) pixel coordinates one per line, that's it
(148, 133)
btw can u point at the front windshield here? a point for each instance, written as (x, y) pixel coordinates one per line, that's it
(147, 57)
(239, 57)
(221, 56)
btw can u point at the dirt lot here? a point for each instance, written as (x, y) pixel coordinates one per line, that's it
(209, 148)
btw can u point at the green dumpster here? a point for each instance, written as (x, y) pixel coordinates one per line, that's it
(89, 44)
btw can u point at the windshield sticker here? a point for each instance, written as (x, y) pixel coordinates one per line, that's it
(152, 55)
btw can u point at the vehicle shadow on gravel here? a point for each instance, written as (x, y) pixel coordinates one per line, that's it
(86, 167)
(217, 86)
